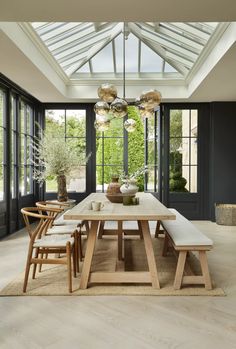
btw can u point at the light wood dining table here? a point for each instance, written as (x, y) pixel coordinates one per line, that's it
(149, 209)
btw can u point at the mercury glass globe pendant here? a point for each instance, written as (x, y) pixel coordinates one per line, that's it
(148, 102)
(119, 108)
(130, 125)
(107, 92)
(111, 106)
(101, 108)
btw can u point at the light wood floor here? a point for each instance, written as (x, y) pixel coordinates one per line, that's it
(122, 322)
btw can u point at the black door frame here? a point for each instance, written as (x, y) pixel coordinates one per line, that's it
(191, 205)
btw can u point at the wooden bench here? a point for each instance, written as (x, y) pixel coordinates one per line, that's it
(184, 237)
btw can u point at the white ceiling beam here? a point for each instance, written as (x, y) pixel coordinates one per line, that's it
(96, 26)
(139, 55)
(179, 37)
(179, 59)
(192, 31)
(90, 66)
(55, 33)
(69, 35)
(169, 43)
(83, 45)
(202, 27)
(76, 39)
(114, 55)
(174, 28)
(158, 49)
(94, 50)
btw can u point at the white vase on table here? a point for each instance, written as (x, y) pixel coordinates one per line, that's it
(129, 187)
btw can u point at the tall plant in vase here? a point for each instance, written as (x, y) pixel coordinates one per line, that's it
(130, 182)
(54, 157)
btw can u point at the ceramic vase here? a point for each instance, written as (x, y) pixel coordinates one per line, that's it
(61, 188)
(129, 187)
(114, 187)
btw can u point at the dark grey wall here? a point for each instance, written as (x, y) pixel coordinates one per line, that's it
(222, 155)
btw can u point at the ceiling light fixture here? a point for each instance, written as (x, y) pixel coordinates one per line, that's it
(111, 106)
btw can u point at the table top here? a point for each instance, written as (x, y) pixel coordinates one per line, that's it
(149, 208)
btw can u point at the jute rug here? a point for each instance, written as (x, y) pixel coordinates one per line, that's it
(52, 281)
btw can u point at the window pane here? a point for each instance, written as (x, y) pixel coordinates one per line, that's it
(22, 149)
(150, 61)
(151, 178)
(1, 183)
(78, 145)
(183, 150)
(22, 183)
(136, 145)
(102, 62)
(151, 152)
(28, 186)
(77, 180)
(194, 121)
(22, 118)
(55, 120)
(193, 151)
(70, 125)
(2, 134)
(175, 123)
(51, 184)
(179, 123)
(75, 123)
(193, 186)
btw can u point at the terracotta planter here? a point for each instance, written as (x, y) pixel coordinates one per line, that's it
(114, 187)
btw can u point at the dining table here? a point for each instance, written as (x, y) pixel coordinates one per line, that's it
(148, 209)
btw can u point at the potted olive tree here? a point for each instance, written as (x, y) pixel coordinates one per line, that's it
(54, 157)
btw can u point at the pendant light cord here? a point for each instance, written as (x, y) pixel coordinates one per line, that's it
(124, 61)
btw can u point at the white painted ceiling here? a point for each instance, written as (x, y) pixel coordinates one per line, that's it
(27, 64)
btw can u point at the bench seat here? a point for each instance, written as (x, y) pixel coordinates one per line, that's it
(184, 233)
(184, 237)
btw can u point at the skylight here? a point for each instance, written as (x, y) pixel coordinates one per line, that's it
(163, 49)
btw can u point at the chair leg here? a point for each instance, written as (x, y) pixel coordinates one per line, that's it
(75, 259)
(27, 268)
(180, 270)
(68, 255)
(80, 247)
(76, 252)
(35, 264)
(40, 265)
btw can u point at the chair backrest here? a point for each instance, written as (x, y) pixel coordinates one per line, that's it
(48, 205)
(44, 220)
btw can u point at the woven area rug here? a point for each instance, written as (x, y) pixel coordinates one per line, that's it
(52, 281)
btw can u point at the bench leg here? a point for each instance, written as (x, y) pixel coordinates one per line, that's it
(140, 230)
(101, 229)
(157, 231)
(120, 241)
(165, 246)
(180, 270)
(205, 270)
